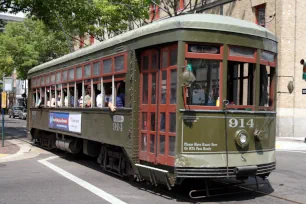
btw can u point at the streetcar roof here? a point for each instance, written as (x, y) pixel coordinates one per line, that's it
(189, 21)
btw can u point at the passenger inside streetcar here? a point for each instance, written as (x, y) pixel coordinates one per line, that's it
(87, 98)
(71, 93)
(120, 96)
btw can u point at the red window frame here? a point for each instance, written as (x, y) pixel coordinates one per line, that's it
(241, 58)
(194, 55)
(272, 91)
(42, 77)
(51, 74)
(167, 108)
(82, 65)
(245, 60)
(60, 80)
(47, 76)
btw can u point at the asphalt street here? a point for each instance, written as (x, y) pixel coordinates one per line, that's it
(56, 177)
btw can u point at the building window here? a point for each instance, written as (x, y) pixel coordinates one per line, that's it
(261, 15)
(92, 39)
(180, 4)
(154, 12)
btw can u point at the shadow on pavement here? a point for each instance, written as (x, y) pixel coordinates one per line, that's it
(181, 194)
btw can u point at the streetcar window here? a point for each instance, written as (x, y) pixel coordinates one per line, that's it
(144, 142)
(145, 89)
(162, 144)
(241, 52)
(34, 98)
(173, 87)
(47, 79)
(107, 66)
(240, 83)
(172, 122)
(164, 59)
(53, 78)
(171, 145)
(120, 101)
(119, 63)
(145, 62)
(154, 61)
(152, 121)
(173, 57)
(43, 81)
(64, 75)
(47, 97)
(153, 96)
(87, 70)
(96, 90)
(152, 143)
(71, 74)
(87, 97)
(99, 98)
(205, 90)
(164, 87)
(79, 94)
(43, 96)
(162, 125)
(58, 77)
(144, 121)
(96, 69)
(72, 97)
(79, 72)
(266, 77)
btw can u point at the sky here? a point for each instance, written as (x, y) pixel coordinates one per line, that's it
(20, 14)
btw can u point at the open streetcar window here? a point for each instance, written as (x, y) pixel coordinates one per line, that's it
(267, 79)
(240, 82)
(205, 90)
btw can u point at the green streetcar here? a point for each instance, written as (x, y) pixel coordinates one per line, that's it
(188, 97)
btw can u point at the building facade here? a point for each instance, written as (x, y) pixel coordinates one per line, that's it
(286, 19)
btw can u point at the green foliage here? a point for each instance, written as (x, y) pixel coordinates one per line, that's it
(101, 18)
(116, 17)
(26, 44)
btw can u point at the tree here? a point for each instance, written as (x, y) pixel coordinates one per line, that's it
(177, 7)
(101, 18)
(24, 45)
(117, 17)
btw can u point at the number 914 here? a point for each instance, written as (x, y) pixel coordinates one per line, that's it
(241, 123)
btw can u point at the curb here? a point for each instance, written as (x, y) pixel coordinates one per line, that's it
(23, 149)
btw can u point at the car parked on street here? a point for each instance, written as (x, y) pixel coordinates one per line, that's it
(23, 114)
(14, 111)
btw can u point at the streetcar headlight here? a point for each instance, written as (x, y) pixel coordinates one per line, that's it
(242, 138)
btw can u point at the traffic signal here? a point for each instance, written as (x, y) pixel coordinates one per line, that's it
(303, 62)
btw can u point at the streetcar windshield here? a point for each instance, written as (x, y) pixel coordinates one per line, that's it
(205, 90)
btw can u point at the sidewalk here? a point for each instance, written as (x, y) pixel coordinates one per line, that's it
(8, 149)
(17, 149)
(290, 143)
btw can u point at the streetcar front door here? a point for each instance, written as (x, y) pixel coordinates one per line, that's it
(158, 105)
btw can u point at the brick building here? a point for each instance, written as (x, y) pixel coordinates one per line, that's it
(286, 19)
